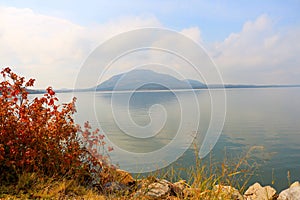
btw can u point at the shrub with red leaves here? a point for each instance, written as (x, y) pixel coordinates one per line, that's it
(40, 136)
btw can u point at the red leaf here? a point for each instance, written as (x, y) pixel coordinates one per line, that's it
(50, 91)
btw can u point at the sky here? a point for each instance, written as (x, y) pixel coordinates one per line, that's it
(251, 42)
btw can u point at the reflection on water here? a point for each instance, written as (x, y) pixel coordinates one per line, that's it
(160, 125)
(139, 109)
(268, 118)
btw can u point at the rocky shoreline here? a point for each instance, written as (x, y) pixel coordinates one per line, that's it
(154, 188)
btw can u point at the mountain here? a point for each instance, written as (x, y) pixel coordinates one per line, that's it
(142, 79)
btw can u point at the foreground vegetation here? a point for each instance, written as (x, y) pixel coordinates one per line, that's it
(44, 154)
(38, 138)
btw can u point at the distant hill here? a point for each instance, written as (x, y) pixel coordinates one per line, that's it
(142, 79)
(35, 91)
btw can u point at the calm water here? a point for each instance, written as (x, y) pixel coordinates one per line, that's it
(268, 119)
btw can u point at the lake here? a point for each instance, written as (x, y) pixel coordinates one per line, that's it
(140, 126)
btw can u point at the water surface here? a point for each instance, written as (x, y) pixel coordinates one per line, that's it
(268, 118)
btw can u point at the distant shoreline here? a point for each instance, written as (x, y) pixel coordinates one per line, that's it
(226, 86)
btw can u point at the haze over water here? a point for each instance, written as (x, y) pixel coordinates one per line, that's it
(266, 118)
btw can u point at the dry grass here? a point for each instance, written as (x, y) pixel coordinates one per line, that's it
(204, 176)
(31, 186)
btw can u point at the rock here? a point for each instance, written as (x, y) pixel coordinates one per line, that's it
(292, 193)
(155, 190)
(227, 192)
(122, 182)
(124, 177)
(296, 183)
(178, 187)
(257, 192)
(144, 183)
(159, 189)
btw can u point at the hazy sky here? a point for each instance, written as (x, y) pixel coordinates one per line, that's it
(252, 42)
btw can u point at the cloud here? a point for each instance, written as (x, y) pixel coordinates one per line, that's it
(260, 53)
(53, 49)
(193, 33)
(159, 58)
